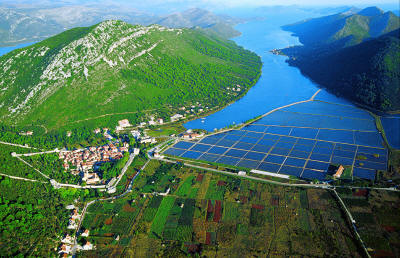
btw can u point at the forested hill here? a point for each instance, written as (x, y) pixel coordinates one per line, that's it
(346, 28)
(117, 67)
(367, 73)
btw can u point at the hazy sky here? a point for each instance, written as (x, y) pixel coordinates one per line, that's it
(168, 6)
(213, 2)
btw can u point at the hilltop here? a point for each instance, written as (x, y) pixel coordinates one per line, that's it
(117, 67)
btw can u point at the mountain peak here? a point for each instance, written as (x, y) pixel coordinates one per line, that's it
(371, 11)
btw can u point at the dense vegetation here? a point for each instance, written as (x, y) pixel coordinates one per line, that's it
(345, 29)
(54, 139)
(32, 214)
(114, 67)
(368, 73)
(110, 170)
(355, 64)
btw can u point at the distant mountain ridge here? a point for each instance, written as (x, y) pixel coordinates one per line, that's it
(203, 19)
(117, 67)
(350, 27)
(366, 70)
(19, 25)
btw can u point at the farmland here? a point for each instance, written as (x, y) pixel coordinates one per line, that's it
(377, 218)
(217, 215)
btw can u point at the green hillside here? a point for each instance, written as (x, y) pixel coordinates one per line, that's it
(367, 73)
(345, 29)
(114, 67)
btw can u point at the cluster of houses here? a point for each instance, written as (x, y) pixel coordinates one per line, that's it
(176, 117)
(237, 88)
(143, 138)
(28, 133)
(83, 161)
(74, 219)
(190, 135)
(192, 110)
(124, 124)
(68, 241)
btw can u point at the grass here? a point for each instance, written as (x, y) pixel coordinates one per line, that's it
(304, 221)
(161, 216)
(231, 211)
(214, 191)
(185, 187)
(166, 130)
(347, 173)
(193, 193)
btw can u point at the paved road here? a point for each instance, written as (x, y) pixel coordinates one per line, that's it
(36, 153)
(121, 175)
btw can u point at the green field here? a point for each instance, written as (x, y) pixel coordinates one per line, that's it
(161, 216)
(227, 215)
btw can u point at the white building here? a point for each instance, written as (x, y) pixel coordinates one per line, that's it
(65, 249)
(85, 233)
(88, 246)
(67, 239)
(242, 173)
(176, 117)
(135, 134)
(124, 123)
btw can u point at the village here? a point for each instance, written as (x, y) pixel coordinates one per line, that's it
(85, 162)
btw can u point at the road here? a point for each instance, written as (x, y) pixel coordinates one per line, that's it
(17, 145)
(247, 176)
(121, 175)
(23, 178)
(37, 170)
(36, 153)
(353, 223)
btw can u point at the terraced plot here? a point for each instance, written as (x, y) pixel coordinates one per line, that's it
(302, 140)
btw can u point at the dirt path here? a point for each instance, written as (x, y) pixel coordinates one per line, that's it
(22, 178)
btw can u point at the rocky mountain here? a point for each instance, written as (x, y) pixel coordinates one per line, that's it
(115, 67)
(345, 28)
(221, 25)
(33, 24)
(17, 27)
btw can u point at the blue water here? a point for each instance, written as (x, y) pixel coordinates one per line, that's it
(279, 84)
(5, 50)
